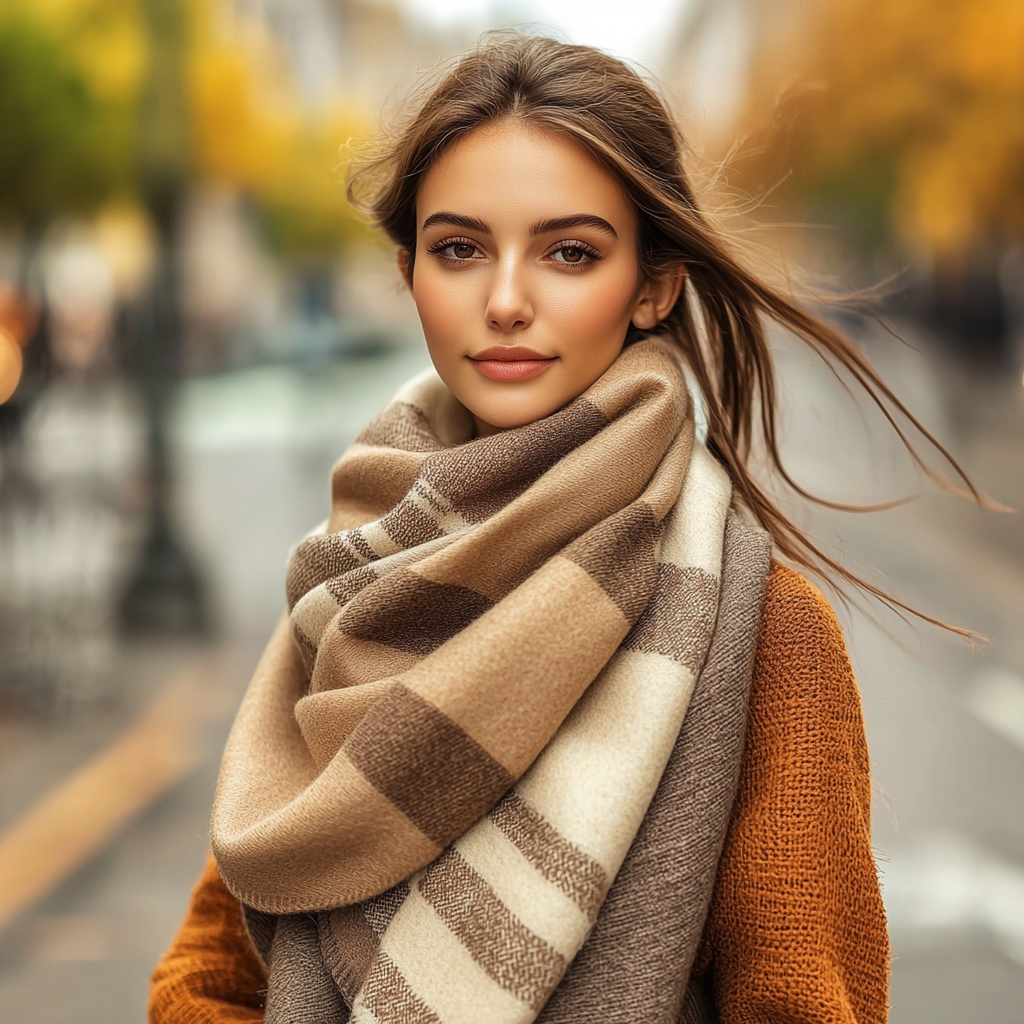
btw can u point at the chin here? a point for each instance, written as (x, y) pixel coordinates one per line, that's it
(510, 421)
(507, 418)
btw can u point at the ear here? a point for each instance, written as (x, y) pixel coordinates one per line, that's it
(657, 297)
(405, 267)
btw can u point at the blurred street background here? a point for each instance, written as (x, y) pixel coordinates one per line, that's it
(194, 324)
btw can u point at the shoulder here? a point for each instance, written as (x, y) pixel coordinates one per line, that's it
(803, 688)
(797, 928)
(794, 608)
(799, 632)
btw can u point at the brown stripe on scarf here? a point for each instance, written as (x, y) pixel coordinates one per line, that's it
(344, 588)
(519, 961)
(388, 997)
(680, 619)
(562, 863)
(619, 553)
(401, 425)
(439, 777)
(411, 613)
(484, 476)
(316, 560)
(379, 910)
(361, 545)
(349, 947)
(409, 526)
(425, 492)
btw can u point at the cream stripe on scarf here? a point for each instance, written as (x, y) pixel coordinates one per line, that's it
(531, 893)
(439, 971)
(488, 930)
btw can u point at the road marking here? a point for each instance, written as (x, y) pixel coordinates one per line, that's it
(77, 818)
(997, 699)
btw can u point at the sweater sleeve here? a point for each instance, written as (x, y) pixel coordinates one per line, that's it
(797, 933)
(210, 975)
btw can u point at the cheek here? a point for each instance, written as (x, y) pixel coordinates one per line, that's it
(441, 308)
(598, 307)
(449, 308)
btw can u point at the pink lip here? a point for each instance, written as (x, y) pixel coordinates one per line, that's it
(511, 363)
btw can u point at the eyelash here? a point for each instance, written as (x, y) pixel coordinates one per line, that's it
(591, 254)
(438, 248)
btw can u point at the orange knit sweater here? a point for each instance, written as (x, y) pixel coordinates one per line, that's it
(796, 933)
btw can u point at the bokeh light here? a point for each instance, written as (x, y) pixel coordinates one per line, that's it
(10, 365)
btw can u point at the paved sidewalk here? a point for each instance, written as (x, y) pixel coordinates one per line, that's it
(85, 951)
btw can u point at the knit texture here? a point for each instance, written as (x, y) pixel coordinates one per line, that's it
(210, 974)
(797, 874)
(796, 929)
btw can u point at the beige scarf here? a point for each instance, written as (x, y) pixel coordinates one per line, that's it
(494, 648)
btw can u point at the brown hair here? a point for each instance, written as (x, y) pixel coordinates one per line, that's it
(607, 108)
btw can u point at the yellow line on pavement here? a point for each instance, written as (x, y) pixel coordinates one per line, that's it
(77, 818)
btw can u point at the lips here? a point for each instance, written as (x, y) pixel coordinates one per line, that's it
(510, 363)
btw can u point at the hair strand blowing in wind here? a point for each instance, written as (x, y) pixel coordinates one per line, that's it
(608, 109)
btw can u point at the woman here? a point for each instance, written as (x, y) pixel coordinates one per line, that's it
(546, 735)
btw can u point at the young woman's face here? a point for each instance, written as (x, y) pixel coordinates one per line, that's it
(526, 277)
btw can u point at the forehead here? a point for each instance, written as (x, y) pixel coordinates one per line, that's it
(512, 174)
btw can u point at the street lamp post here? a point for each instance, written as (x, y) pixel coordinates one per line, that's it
(164, 593)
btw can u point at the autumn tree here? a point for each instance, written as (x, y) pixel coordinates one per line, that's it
(251, 129)
(64, 146)
(902, 121)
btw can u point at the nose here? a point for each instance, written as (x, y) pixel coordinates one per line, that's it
(509, 308)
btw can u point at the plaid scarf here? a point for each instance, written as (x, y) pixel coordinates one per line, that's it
(491, 653)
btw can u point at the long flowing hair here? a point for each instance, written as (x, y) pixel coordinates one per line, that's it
(720, 319)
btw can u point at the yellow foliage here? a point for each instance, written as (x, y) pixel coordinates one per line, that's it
(249, 126)
(127, 239)
(931, 89)
(105, 39)
(251, 129)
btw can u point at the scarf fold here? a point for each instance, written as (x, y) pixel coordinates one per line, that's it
(635, 965)
(449, 748)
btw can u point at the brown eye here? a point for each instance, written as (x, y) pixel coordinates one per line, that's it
(463, 251)
(574, 255)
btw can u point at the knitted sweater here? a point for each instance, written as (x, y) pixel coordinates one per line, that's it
(796, 931)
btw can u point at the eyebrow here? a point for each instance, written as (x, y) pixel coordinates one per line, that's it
(456, 220)
(575, 220)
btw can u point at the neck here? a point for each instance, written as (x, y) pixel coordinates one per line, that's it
(484, 429)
